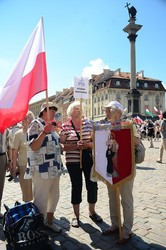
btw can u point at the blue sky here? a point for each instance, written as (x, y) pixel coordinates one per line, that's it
(83, 37)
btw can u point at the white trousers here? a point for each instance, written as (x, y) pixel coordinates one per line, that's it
(162, 148)
(127, 205)
(46, 193)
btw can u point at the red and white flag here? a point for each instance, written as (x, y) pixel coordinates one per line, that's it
(156, 110)
(28, 78)
(139, 119)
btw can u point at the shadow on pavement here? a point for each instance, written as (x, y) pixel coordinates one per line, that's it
(64, 240)
(98, 240)
(145, 168)
(2, 236)
(137, 242)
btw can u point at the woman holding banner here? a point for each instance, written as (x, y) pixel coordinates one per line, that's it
(114, 111)
(70, 138)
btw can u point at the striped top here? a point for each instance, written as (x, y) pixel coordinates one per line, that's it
(73, 156)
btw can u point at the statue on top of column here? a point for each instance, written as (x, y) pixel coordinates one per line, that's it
(132, 11)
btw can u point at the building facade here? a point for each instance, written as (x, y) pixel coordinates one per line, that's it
(114, 85)
(109, 86)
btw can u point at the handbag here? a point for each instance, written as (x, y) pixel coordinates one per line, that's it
(24, 228)
(87, 158)
(139, 153)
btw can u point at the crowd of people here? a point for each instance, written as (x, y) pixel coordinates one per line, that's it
(33, 152)
(154, 131)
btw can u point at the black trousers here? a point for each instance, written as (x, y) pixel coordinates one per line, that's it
(75, 173)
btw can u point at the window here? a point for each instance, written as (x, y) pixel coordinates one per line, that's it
(102, 85)
(106, 96)
(95, 111)
(157, 98)
(117, 83)
(102, 98)
(156, 85)
(98, 98)
(98, 110)
(146, 85)
(137, 84)
(118, 97)
(146, 98)
(95, 100)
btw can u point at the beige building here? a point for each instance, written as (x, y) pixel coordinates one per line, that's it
(109, 86)
(114, 85)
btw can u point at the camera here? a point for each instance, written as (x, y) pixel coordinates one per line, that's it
(54, 123)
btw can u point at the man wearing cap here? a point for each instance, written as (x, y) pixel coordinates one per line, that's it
(114, 111)
(44, 163)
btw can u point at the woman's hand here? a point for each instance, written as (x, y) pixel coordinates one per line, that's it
(84, 145)
(48, 128)
(80, 145)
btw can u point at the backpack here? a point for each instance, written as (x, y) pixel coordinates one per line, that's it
(139, 153)
(24, 228)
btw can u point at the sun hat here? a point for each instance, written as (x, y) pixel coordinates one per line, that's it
(44, 106)
(115, 105)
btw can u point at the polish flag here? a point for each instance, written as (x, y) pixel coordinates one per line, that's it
(139, 119)
(156, 110)
(28, 78)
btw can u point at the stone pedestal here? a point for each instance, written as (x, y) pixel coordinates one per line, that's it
(133, 97)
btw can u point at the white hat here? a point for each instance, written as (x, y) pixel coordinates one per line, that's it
(44, 106)
(115, 105)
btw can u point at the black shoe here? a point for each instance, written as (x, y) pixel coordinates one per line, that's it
(96, 218)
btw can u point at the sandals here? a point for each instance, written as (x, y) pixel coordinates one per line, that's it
(75, 222)
(96, 218)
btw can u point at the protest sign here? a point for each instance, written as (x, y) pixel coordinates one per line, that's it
(81, 87)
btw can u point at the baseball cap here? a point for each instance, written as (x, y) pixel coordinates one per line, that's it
(115, 105)
(44, 106)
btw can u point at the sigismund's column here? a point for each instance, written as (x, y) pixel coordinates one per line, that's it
(133, 95)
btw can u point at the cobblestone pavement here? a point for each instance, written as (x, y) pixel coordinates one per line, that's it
(150, 211)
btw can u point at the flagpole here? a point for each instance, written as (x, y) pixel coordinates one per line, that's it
(48, 114)
(118, 211)
(47, 100)
(81, 131)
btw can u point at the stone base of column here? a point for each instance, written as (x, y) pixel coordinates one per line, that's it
(133, 97)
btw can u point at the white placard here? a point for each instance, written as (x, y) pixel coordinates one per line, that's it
(81, 87)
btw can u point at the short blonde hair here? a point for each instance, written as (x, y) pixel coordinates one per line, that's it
(72, 106)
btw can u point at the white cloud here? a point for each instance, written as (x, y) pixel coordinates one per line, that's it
(96, 67)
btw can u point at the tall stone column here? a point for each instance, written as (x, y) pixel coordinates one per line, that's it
(133, 95)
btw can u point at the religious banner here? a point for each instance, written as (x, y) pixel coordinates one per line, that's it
(81, 87)
(114, 157)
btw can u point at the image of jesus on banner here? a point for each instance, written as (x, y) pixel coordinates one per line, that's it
(111, 155)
